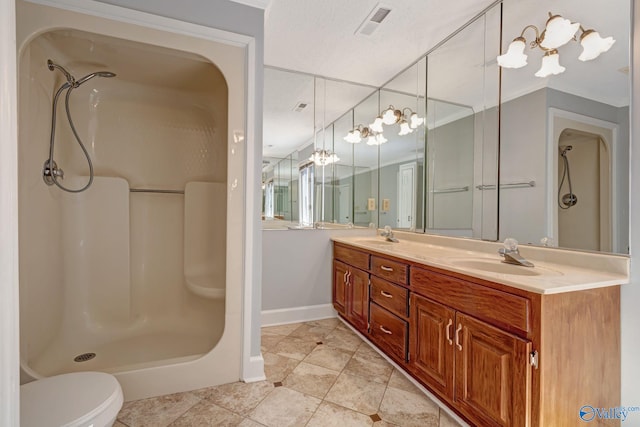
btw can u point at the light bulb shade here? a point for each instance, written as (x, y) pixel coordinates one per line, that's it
(550, 64)
(558, 32)
(404, 128)
(593, 45)
(372, 140)
(353, 136)
(390, 116)
(415, 121)
(515, 57)
(377, 139)
(324, 157)
(376, 126)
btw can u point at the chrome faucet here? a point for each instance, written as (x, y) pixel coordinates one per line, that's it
(511, 254)
(387, 233)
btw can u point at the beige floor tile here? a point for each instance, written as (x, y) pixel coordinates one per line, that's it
(408, 409)
(268, 341)
(118, 424)
(247, 422)
(277, 367)
(281, 329)
(156, 411)
(311, 379)
(331, 415)
(294, 348)
(311, 333)
(205, 414)
(357, 393)
(447, 421)
(240, 398)
(400, 382)
(325, 323)
(328, 357)
(366, 362)
(342, 338)
(285, 407)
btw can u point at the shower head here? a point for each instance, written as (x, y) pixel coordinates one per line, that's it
(564, 148)
(92, 75)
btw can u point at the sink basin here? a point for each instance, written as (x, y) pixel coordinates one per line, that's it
(376, 242)
(498, 267)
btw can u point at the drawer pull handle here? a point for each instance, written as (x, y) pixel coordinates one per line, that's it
(386, 294)
(385, 268)
(448, 333)
(458, 336)
(385, 330)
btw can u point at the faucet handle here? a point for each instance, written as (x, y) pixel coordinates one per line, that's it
(511, 244)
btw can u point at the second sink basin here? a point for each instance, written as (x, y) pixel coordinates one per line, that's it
(496, 266)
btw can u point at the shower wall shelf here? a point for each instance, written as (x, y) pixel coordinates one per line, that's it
(526, 184)
(151, 190)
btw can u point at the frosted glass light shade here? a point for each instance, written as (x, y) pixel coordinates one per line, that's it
(390, 116)
(415, 121)
(377, 139)
(404, 128)
(593, 45)
(550, 65)
(376, 126)
(515, 57)
(353, 136)
(558, 32)
(324, 157)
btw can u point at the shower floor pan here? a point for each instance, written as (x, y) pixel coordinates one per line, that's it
(142, 350)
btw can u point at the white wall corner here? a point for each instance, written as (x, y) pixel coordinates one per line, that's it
(297, 314)
(254, 370)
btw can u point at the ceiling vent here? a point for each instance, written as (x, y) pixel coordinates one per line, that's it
(373, 20)
(300, 106)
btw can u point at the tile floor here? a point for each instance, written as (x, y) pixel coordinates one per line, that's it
(319, 373)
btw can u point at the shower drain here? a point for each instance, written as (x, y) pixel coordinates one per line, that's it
(84, 357)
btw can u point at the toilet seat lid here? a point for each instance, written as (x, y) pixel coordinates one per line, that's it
(68, 399)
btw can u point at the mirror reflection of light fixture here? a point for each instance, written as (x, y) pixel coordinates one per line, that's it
(376, 126)
(377, 139)
(557, 32)
(358, 133)
(324, 157)
(391, 116)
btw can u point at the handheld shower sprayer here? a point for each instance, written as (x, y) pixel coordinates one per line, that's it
(569, 199)
(50, 171)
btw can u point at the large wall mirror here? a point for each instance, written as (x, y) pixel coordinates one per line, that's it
(496, 149)
(565, 139)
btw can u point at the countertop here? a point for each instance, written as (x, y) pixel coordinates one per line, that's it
(555, 270)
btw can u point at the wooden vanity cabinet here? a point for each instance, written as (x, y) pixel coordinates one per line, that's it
(495, 354)
(351, 286)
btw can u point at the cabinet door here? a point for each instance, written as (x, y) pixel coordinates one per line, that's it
(431, 343)
(358, 298)
(340, 272)
(493, 377)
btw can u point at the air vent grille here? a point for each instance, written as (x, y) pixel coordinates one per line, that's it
(373, 20)
(300, 106)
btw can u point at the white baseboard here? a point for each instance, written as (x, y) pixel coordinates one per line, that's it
(297, 314)
(254, 370)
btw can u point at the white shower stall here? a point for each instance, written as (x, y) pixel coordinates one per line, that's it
(140, 275)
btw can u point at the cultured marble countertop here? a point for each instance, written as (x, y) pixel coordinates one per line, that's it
(555, 270)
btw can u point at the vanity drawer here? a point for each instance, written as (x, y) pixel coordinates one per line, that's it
(352, 257)
(502, 309)
(393, 271)
(392, 297)
(389, 332)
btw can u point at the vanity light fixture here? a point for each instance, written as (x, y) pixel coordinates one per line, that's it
(376, 126)
(558, 31)
(324, 157)
(406, 118)
(377, 139)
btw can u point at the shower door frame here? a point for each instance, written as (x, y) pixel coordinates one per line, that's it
(552, 171)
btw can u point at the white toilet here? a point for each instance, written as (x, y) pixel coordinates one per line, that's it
(87, 399)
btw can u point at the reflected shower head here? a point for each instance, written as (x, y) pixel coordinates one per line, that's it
(564, 148)
(92, 75)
